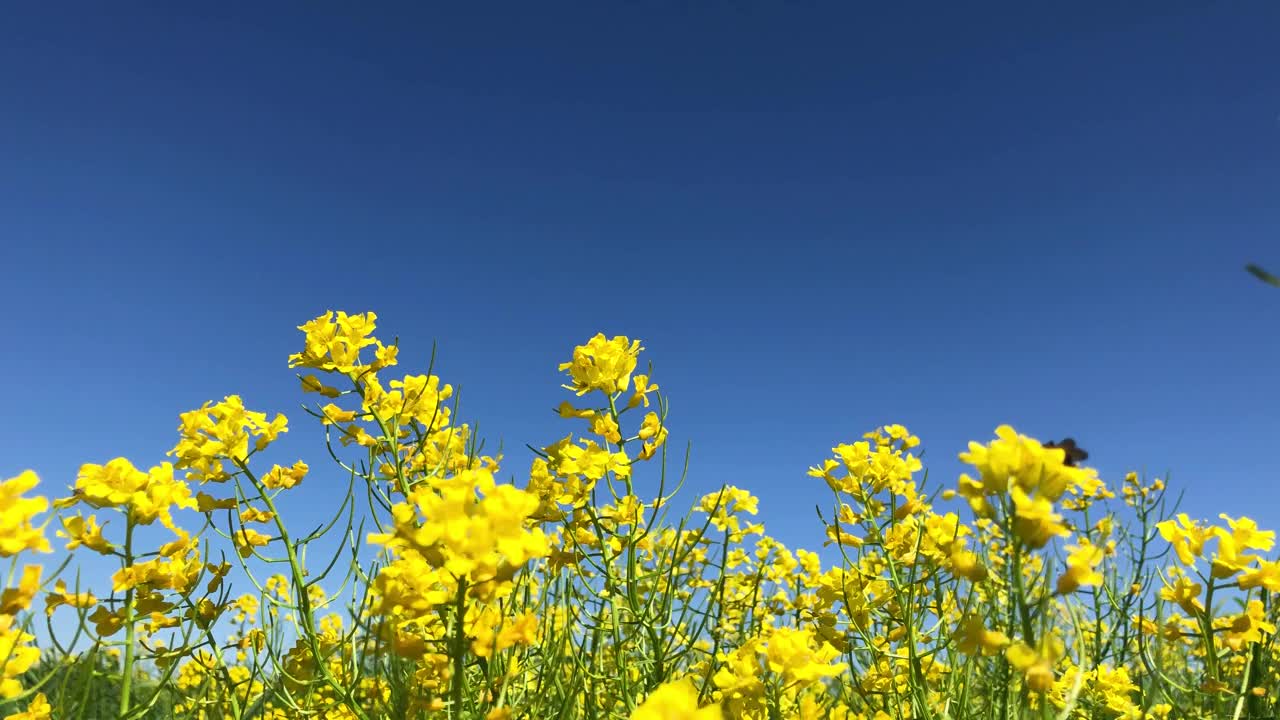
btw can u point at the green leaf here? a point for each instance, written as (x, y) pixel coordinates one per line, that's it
(1263, 275)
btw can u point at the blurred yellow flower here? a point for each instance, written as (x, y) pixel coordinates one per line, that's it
(1186, 536)
(1082, 563)
(15, 600)
(37, 709)
(16, 513)
(1266, 575)
(1017, 460)
(1185, 593)
(1036, 664)
(675, 701)
(972, 637)
(60, 597)
(16, 655)
(1034, 520)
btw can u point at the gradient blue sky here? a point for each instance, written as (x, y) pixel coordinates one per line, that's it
(819, 217)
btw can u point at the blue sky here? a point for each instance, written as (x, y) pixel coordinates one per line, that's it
(818, 217)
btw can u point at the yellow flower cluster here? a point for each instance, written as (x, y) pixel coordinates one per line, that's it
(474, 530)
(1033, 477)
(216, 434)
(334, 344)
(604, 365)
(18, 534)
(146, 496)
(676, 700)
(435, 589)
(16, 514)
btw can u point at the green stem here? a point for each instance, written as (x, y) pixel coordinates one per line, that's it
(306, 614)
(130, 631)
(458, 651)
(1210, 656)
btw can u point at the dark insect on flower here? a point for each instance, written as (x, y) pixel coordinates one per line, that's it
(1074, 454)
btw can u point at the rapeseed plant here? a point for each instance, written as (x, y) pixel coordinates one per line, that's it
(1029, 588)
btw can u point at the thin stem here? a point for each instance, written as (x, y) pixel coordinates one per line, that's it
(130, 631)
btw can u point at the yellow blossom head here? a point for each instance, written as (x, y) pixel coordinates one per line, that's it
(603, 364)
(16, 513)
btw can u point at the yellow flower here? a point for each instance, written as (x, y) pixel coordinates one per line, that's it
(492, 633)
(15, 600)
(335, 343)
(37, 709)
(410, 587)
(972, 637)
(675, 701)
(604, 365)
(1082, 563)
(145, 495)
(1247, 627)
(178, 573)
(654, 434)
(588, 460)
(386, 356)
(84, 531)
(1186, 536)
(1012, 459)
(629, 510)
(60, 597)
(415, 397)
(606, 427)
(900, 433)
(312, 384)
(1106, 686)
(332, 415)
(467, 525)
(974, 492)
(567, 410)
(1036, 665)
(248, 539)
(1034, 520)
(798, 656)
(1186, 594)
(641, 395)
(163, 492)
(1246, 534)
(1228, 560)
(1266, 575)
(106, 623)
(213, 433)
(16, 512)
(966, 565)
(726, 504)
(207, 503)
(1105, 526)
(256, 515)
(16, 655)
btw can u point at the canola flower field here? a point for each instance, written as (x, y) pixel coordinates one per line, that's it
(1029, 587)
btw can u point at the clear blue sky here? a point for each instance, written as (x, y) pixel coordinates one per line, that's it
(818, 217)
